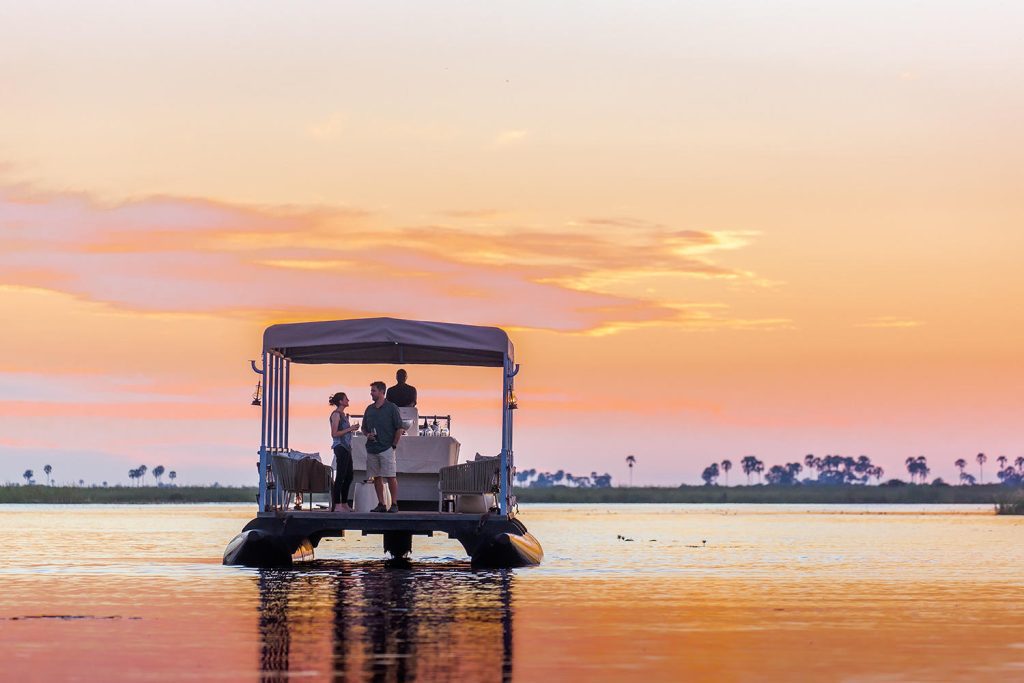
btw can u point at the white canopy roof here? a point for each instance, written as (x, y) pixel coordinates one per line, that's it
(389, 340)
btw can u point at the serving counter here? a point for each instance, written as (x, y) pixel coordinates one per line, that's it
(420, 459)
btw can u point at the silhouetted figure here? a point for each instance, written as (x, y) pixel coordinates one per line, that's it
(341, 443)
(402, 395)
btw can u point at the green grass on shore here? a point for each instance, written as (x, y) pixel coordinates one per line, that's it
(1005, 501)
(127, 494)
(911, 494)
(1011, 506)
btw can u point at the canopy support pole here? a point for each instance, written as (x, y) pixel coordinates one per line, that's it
(277, 432)
(508, 373)
(262, 498)
(287, 389)
(272, 414)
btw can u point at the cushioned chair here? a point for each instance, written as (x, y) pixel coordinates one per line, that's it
(305, 475)
(477, 477)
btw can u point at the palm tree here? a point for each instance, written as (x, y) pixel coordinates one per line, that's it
(172, 475)
(133, 474)
(813, 462)
(1002, 460)
(748, 464)
(918, 467)
(630, 460)
(28, 474)
(911, 467)
(81, 482)
(982, 459)
(726, 466)
(1019, 462)
(47, 469)
(961, 464)
(923, 469)
(158, 472)
(759, 468)
(142, 474)
(709, 474)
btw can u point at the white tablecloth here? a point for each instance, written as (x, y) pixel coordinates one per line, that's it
(416, 454)
(420, 459)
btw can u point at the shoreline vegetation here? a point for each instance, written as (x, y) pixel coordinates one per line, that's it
(115, 495)
(1005, 502)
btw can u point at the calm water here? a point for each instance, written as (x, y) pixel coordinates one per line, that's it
(872, 593)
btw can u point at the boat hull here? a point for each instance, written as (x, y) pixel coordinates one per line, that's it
(509, 550)
(279, 540)
(258, 548)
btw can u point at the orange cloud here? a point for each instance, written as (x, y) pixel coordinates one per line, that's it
(166, 254)
(890, 321)
(476, 214)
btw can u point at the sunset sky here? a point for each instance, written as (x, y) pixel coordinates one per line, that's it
(712, 229)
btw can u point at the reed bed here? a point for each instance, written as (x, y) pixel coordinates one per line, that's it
(801, 494)
(127, 494)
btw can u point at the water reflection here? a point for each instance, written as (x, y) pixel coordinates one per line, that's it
(357, 621)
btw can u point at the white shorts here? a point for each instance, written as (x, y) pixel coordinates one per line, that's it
(382, 464)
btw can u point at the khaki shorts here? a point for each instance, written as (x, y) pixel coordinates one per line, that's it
(382, 464)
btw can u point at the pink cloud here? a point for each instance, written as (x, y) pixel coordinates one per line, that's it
(167, 254)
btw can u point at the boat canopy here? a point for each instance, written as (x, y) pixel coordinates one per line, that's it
(389, 340)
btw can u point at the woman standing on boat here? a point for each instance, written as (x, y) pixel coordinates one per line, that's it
(341, 443)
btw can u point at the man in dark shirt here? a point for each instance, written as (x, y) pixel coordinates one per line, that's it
(402, 395)
(382, 425)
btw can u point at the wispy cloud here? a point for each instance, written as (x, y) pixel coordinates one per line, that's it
(475, 214)
(890, 321)
(189, 255)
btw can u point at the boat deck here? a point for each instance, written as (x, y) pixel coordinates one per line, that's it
(279, 538)
(419, 522)
(316, 524)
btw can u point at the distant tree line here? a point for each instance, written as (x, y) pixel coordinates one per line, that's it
(1011, 475)
(137, 473)
(844, 469)
(158, 472)
(534, 479)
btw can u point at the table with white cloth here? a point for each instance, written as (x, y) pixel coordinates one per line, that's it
(420, 459)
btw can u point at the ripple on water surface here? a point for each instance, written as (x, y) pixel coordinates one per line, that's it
(659, 591)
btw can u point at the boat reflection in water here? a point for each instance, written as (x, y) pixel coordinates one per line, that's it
(358, 621)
